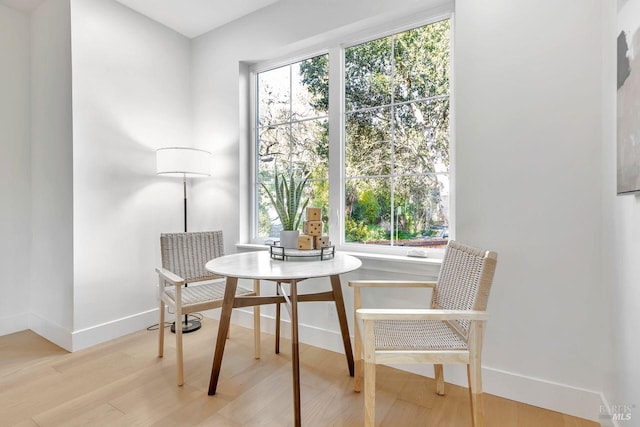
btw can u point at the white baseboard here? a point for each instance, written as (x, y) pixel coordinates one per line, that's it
(571, 400)
(51, 331)
(110, 330)
(12, 324)
(78, 340)
(567, 399)
(564, 398)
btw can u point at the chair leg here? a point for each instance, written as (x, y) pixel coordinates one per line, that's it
(439, 371)
(369, 375)
(475, 395)
(256, 322)
(278, 320)
(161, 330)
(357, 377)
(178, 334)
(474, 374)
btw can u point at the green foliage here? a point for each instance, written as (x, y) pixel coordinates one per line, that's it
(377, 232)
(413, 66)
(358, 231)
(355, 231)
(315, 76)
(368, 203)
(288, 199)
(264, 223)
(400, 147)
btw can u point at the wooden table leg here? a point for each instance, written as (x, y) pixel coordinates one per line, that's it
(256, 321)
(295, 353)
(278, 320)
(223, 328)
(342, 318)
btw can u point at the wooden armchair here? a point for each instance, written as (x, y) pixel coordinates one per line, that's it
(451, 331)
(184, 256)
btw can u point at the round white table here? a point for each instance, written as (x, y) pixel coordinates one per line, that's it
(260, 266)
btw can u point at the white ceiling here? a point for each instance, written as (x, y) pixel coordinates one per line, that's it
(188, 17)
(194, 17)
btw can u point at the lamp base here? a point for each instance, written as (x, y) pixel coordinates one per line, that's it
(191, 325)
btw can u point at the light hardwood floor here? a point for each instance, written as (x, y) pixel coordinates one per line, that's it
(123, 383)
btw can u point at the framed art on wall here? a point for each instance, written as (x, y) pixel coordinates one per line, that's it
(628, 104)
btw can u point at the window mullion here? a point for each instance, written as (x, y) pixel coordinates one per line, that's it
(336, 145)
(289, 121)
(393, 140)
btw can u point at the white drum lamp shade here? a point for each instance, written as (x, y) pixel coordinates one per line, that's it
(183, 162)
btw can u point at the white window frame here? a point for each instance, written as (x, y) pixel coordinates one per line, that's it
(336, 49)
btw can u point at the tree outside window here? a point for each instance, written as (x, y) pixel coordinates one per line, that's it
(293, 135)
(396, 136)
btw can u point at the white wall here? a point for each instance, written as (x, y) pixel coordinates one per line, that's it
(51, 290)
(15, 167)
(131, 95)
(528, 104)
(528, 107)
(82, 235)
(621, 238)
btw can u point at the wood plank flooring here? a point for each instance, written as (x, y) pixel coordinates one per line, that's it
(124, 383)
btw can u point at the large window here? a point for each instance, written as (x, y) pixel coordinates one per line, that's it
(397, 138)
(293, 133)
(394, 148)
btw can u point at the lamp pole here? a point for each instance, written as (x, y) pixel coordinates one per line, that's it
(184, 192)
(184, 162)
(195, 324)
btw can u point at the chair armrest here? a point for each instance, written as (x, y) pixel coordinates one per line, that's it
(391, 284)
(420, 314)
(170, 277)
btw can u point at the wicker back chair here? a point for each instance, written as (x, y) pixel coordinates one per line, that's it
(451, 331)
(184, 256)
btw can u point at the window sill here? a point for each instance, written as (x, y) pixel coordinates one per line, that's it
(425, 267)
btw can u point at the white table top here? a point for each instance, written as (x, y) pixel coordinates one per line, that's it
(259, 265)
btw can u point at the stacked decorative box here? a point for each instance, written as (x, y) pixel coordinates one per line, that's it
(312, 237)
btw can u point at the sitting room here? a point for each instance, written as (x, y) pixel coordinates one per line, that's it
(410, 127)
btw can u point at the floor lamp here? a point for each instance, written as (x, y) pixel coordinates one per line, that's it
(183, 162)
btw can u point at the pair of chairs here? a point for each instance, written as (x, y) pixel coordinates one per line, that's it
(451, 331)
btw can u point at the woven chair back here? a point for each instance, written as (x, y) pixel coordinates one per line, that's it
(186, 254)
(464, 281)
